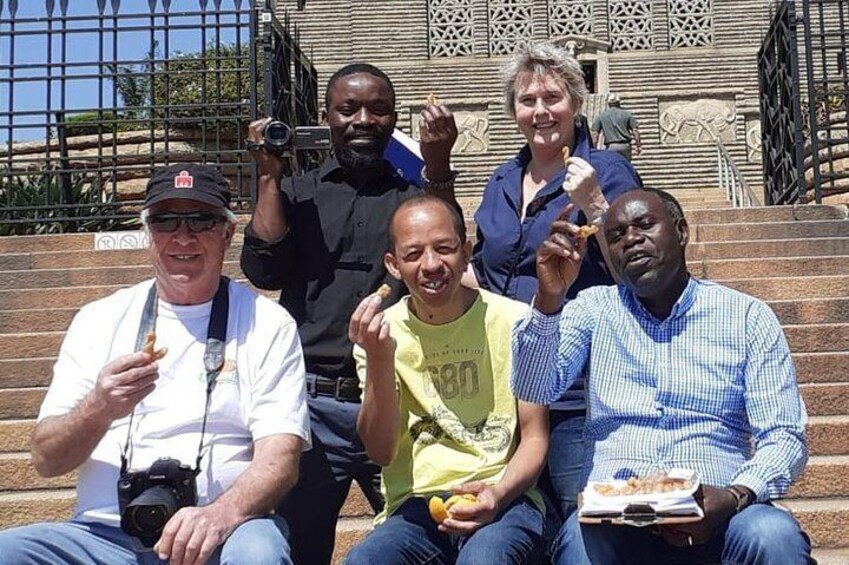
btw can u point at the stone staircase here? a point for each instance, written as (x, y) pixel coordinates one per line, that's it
(795, 258)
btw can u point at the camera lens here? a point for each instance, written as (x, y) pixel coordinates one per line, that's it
(148, 513)
(277, 137)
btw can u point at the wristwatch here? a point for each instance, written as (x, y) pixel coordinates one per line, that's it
(438, 186)
(743, 497)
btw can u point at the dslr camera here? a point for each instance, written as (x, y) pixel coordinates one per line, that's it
(147, 499)
(280, 138)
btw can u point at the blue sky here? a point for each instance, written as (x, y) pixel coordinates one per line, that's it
(30, 89)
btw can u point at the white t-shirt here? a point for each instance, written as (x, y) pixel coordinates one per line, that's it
(259, 392)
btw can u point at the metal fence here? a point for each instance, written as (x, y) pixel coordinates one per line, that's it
(781, 113)
(804, 83)
(92, 102)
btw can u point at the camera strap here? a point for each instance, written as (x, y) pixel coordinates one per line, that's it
(213, 356)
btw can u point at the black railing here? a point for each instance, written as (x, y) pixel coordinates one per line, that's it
(781, 113)
(91, 103)
(827, 150)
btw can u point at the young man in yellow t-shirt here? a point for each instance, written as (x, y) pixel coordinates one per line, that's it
(437, 411)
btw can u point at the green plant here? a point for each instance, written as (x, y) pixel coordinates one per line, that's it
(49, 202)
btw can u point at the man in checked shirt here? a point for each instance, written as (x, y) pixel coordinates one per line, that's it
(681, 373)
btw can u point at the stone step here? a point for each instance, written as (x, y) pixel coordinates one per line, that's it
(36, 320)
(61, 297)
(826, 520)
(828, 367)
(828, 435)
(15, 435)
(787, 288)
(75, 259)
(20, 403)
(768, 267)
(826, 476)
(812, 338)
(16, 346)
(826, 399)
(811, 310)
(17, 474)
(92, 276)
(19, 508)
(758, 249)
(20, 373)
(777, 230)
(801, 212)
(831, 556)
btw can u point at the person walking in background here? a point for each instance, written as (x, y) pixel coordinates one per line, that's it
(617, 129)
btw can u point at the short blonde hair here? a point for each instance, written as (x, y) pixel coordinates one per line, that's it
(544, 58)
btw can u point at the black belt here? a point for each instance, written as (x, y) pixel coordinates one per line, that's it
(342, 388)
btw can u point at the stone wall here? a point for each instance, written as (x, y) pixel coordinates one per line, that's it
(687, 68)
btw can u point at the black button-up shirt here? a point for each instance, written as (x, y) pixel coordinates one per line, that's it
(330, 259)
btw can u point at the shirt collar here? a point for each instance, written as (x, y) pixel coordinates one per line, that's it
(679, 309)
(331, 169)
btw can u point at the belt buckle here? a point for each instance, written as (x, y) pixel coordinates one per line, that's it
(312, 389)
(337, 388)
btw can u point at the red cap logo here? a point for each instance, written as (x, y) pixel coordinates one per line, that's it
(184, 180)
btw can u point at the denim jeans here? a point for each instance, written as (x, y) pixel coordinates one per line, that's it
(566, 459)
(336, 459)
(257, 541)
(759, 535)
(410, 537)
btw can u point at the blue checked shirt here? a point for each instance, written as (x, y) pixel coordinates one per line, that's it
(710, 388)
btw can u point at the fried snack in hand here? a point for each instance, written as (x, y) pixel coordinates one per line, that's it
(149, 346)
(431, 99)
(586, 231)
(565, 152)
(384, 291)
(440, 510)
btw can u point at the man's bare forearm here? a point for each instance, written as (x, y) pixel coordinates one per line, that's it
(272, 473)
(527, 462)
(379, 421)
(60, 444)
(269, 219)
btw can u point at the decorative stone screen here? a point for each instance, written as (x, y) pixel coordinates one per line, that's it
(630, 24)
(450, 28)
(570, 17)
(690, 23)
(510, 24)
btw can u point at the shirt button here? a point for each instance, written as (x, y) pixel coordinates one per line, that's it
(360, 224)
(361, 259)
(360, 293)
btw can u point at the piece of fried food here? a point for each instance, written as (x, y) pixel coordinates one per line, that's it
(384, 291)
(440, 510)
(431, 99)
(586, 231)
(565, 152)
(149, 346)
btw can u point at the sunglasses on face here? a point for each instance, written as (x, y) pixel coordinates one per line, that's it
(196, 222)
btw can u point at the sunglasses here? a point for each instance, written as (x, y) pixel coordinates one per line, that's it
(196, 222)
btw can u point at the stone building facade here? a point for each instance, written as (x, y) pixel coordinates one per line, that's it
(687, 68)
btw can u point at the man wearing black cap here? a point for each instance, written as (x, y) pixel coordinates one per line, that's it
(180, 402)
(320, 239)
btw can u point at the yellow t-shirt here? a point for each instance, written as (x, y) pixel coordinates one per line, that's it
(458, 414)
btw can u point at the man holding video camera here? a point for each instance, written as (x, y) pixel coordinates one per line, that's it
(179, 401)
(320, 237)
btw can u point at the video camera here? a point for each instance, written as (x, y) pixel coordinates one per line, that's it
(280, 138)
(148, 499)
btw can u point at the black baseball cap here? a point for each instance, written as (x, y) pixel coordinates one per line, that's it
(190, 181)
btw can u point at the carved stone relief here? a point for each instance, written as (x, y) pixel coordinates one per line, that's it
(630, 24)
(690, 23)
(450, 28)
(697, 121)
(753, 139)
(570, 17)
(472, 129)
(511, 23)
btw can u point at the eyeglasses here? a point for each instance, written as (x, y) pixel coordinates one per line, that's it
(196, 222)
